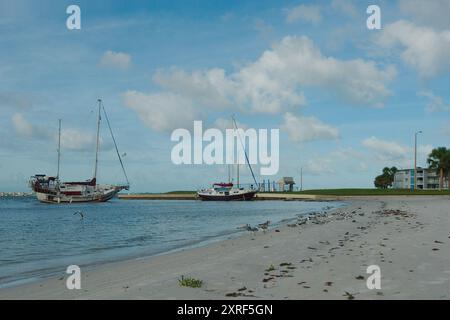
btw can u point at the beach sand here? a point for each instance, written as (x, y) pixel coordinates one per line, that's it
(325, 258)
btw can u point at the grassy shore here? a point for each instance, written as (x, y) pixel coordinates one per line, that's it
(373, 192)
(353, 192)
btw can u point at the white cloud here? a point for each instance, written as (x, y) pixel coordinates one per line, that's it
(423, 48)
(71, 139)
(271, 85)
(391, 152)
(386, 150)
(341, 161)
(26, 129)
(21, 125)
(209, 88)
(345, 6)
(161, 111)
(319, 166)
(307, 13)
(305, 129)
(434, 13)
(224, 124)
(118, 60)
(435, 104)
(75, 140)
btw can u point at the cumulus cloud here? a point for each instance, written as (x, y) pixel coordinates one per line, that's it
(394, 152)
(21, 125)
(117, 60)
(75, 140)
(305, 129)
(25, 129)
(386, 149)
(345, 6)
(339, 161)
(161, 111)
(434, 13)
(320, 166)
(435, 104)
(224, 124)
(71, 139)
(306, 13)
(422, 48)
(208, 88)
(271, 85)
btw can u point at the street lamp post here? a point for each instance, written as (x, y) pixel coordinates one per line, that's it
(415, 159)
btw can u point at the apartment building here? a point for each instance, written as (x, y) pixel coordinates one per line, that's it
(426, 179)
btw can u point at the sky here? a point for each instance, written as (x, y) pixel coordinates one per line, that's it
(347, 100)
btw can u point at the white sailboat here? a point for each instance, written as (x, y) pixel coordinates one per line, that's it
(50, 189)
(227, 191)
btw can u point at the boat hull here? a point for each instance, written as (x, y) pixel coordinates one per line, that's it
(247, 196)
(62, 198)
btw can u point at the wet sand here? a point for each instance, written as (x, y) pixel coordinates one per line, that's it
(323, 258)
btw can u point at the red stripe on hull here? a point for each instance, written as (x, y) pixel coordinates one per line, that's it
(72, 193)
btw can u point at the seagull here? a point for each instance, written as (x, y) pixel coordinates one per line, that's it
(264, 225)
(250, 228)
(80, 213)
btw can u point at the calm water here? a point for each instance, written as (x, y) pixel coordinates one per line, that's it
(38, 240)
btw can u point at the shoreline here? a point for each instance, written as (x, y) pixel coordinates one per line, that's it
(322, 259)
(232, 233)
(259, 196)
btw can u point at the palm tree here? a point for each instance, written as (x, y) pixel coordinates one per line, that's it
(439, 159)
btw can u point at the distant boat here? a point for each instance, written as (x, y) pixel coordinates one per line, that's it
(227, 191)
(50, 189)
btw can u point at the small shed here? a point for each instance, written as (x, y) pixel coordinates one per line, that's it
(286, 181)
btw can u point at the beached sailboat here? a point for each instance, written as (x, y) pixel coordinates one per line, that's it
(227, 191)
(50, 189)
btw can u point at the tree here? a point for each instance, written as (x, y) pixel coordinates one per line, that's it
(439, 160)
(385, 179)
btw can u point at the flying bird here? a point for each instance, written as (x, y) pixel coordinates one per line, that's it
(80, 213)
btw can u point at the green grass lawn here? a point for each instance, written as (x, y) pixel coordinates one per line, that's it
(372, 192)
(181, 192)
(353, 192)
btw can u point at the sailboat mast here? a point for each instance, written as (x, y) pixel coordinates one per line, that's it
(59, 148)
(98, 138)
(237, 168)
(245, 153)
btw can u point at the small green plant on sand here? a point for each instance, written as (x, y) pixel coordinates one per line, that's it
(190, 282)
(271, 268)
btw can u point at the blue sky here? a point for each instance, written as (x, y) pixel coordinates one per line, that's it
(347, 99)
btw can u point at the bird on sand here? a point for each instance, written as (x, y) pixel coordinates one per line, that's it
(264, 225)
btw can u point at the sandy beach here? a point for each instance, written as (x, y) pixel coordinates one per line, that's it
(324, 258)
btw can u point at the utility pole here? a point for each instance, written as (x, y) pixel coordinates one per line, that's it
(301, 178)
(415, 159)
